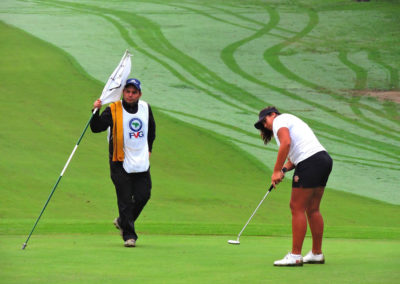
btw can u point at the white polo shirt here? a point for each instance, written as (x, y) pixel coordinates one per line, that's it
(303, 144)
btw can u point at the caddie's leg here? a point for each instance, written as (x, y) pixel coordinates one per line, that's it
(124, 190)
(141, 193)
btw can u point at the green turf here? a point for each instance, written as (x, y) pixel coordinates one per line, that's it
(204, 184)
(75, 258)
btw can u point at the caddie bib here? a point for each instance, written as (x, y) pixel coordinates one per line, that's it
(136, 148)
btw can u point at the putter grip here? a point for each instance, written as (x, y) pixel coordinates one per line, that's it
(284, 170)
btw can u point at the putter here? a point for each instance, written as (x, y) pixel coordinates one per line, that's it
(237, 241)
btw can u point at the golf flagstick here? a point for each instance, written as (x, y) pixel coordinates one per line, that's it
(59, 178)
(111, 93)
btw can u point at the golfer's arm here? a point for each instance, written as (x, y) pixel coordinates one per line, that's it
(289, 165)
(284, 140)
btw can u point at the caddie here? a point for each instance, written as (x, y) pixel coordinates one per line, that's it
(132, 131)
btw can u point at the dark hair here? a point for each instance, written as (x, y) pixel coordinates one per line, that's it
(266, 134)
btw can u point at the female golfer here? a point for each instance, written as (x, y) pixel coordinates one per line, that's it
(303, 152)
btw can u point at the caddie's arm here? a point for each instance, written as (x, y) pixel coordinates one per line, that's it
(97, 104)
(100, 122)
(151, 136)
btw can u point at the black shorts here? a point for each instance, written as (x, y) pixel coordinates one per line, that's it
(313, 171)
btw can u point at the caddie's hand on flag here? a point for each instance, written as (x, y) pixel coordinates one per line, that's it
(113, 89)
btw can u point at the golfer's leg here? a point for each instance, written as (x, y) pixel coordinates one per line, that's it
(298, 202)
(141, 193)
(315, 220)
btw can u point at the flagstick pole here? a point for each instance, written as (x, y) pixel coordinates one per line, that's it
(59, 178)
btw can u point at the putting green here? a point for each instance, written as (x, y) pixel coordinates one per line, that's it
(92, 258)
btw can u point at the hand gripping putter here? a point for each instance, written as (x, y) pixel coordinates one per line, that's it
(237, 242)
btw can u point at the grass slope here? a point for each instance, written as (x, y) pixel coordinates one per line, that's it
(202, 184)
(307, 57)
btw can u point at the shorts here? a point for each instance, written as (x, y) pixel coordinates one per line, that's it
(313, 171)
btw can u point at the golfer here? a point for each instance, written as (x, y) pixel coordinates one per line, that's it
(301, 150)
(131, 135)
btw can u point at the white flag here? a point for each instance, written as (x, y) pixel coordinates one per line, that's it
(113, 89)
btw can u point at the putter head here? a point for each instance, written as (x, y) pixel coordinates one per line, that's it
(234, 242)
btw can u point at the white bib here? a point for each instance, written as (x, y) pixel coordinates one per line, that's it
(136, 148)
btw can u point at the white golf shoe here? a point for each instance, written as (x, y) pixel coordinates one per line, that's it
(290, 260)
(314, 258)
(130, 243)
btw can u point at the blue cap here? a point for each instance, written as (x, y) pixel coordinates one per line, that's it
(134, 82)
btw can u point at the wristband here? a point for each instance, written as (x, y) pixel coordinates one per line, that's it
(284, 170)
